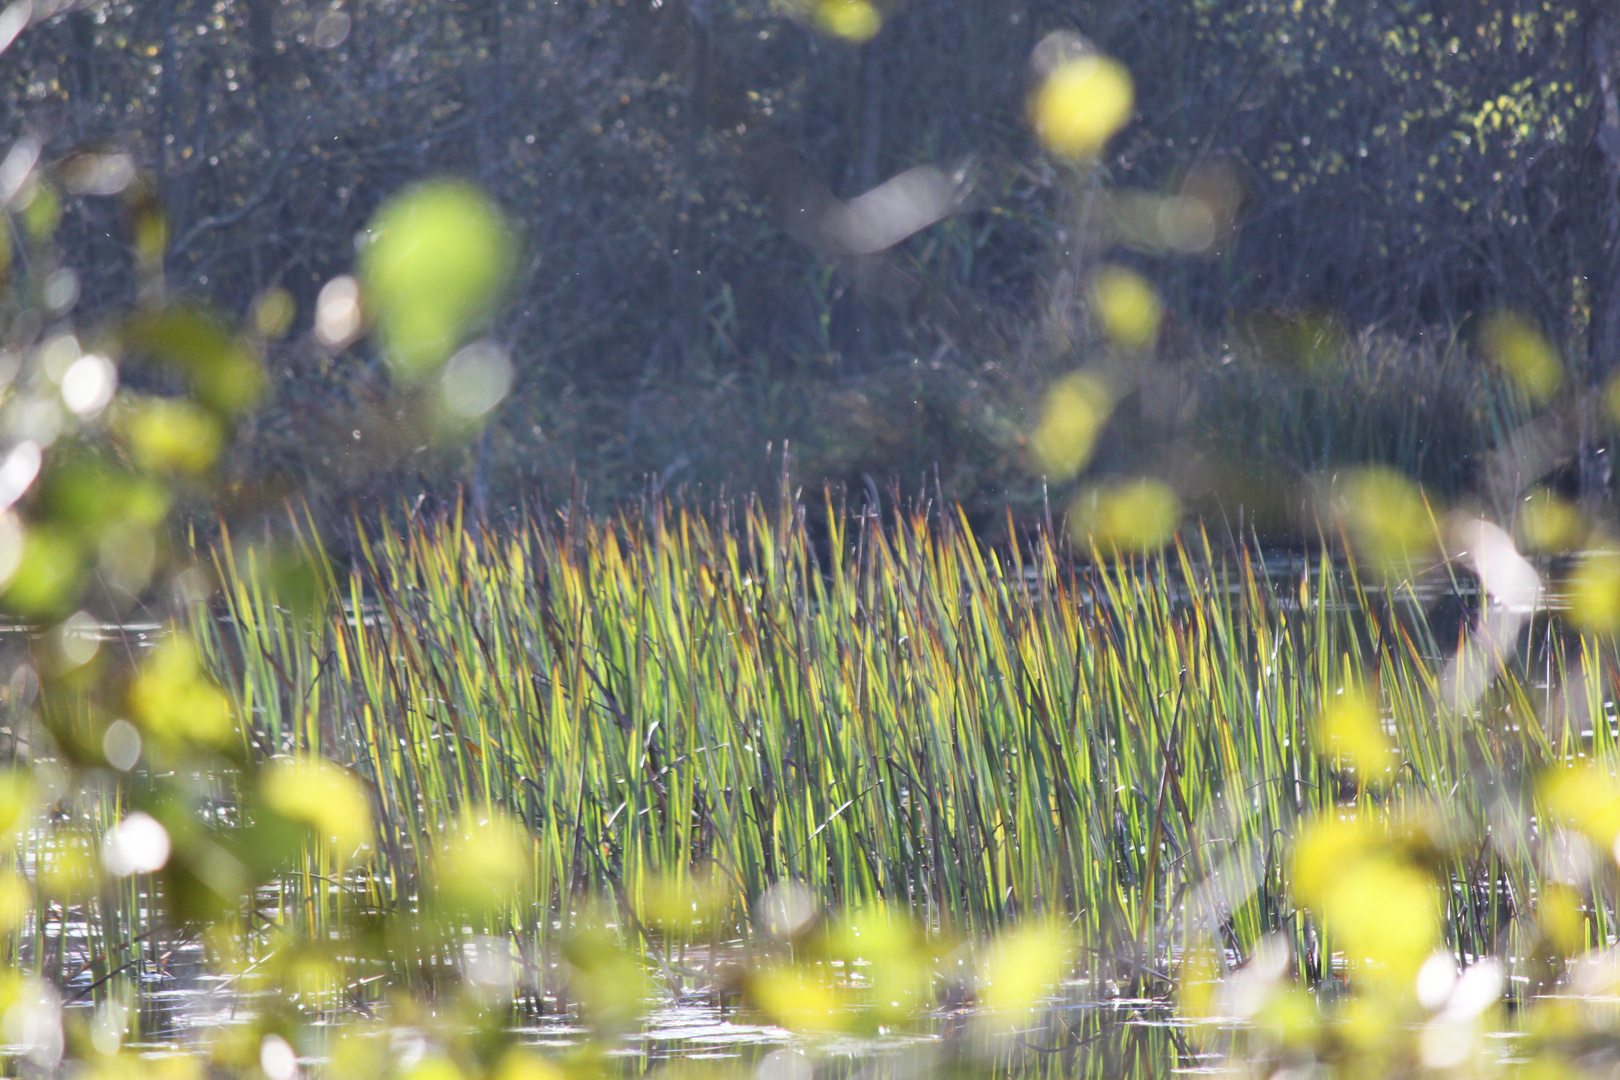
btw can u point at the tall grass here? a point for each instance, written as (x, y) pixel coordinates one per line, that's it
(886, 709)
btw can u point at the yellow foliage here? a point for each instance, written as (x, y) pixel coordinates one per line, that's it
(1386, 516)
(1594, 591)
(171, 435)
(1081, 104)
(438, 257)
(1076, 409)
(1126, 306)
(853, 20)
(1023, 965)
(1586, 798)
(799, 1000)
(1524, 354)
(323, 796)
(173, 699)
(1350, 729)
(1138, 515)
(488, 863)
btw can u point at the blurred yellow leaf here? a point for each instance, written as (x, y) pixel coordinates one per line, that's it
(223, 371)
(1076, 408)
(1126, 306)
(174, 699)
(45, 578)
(1198, 981)
(16, 802)
(519, 1064)
(70, 868)
(892, 952)
(171, 435)
(852, 20)
(1081, 104)
(1323, 847)
(1350, 728)
(487, 865)
(41, 210)
(1594, 591)
(273, 313)
(1560, 918)
(1386, 516)
(1022, 967)
(16, 901)
(323, 796)
(798, 1000)
(438, 257)
(1345, 870)
(1137, 515)
(1587, 798)
(433, 1068)
(680, 901)
(1524, 354)
(1549, 524)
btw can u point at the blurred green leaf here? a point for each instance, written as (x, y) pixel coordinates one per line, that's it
(223, 371)
(439, 255)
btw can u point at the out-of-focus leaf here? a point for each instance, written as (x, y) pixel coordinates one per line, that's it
(47, 579)
(438, 258)
(223, 371)
(323, 797)
(853, 20)
(798, 999)
(488, 864)
(1594, 590)
(1386, 516)
(1076, 409)
(90, 495)
(1081, 104)
(42, 211)
(1524, 354)
(1350, 729)
(1023, 966)
(1137, 515)
(1126, 306)
(173, 698)
(171, 435)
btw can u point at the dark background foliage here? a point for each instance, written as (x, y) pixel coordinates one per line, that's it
(1404, 167)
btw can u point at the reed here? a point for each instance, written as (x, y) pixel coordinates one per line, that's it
(883, 710)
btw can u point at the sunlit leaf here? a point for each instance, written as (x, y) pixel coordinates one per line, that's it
(853, 20)
(1350, 728)
(609, 981)
(1022, 967)
(171, 435)
(173, 698)
(1594, 590)
(47, 576)
(1587, 798)
(1386, 516)
(1081, 104)
(1524, 354)
(1126, 306)
(41, 210)
(798, 999)
(1076, 409)
(322, 796)
(1136, 515)
(439, 255)
(1549, 524)
(223, 371)
(16, 901)
(487, 864)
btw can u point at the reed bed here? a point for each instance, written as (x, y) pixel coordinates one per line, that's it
(889, 709)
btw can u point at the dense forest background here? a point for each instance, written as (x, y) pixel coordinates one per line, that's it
(1383, 175)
